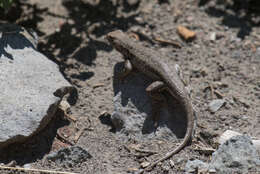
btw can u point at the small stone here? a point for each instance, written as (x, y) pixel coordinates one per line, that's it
(145, 164)
(148, 8)
(68, 157)
(165, 168)
(226, 28)
(212, 171)
(139, 19)
(204, 71)
(212, 36)
(64, 105)
(197, 46)
(258, 51)
(27, 166)
(215, 105)
(118, 120)
(133, 2)
(235, 39)
(180, 160)
(236, 54)
(132, 170)
(190, 19)
(172, 163)
(192, 165)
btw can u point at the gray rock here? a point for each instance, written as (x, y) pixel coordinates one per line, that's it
(28, 80)
(212, 36)
(258, 51)
(132, 114)
(193, 165)
(69, 157)
(215, 105)
(236, 54)
(236, 155)
(27, 166)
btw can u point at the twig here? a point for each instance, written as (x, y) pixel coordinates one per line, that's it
(35, 170)
(145, 151)
(61, 138)
(174, 43)
(98, 85)
(70, 117)
(211, 91)
(79, 133)
(219, 94)
(127, 148)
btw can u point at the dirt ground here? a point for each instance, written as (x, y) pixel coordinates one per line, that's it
(71, 33)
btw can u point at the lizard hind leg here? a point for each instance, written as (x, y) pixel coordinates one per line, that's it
(154, 91)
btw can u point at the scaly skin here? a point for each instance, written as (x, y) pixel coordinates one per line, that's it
(148, 62)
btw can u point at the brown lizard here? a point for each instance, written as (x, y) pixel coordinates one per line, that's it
(149, 62)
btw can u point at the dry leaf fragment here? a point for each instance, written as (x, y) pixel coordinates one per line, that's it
(168, 42)
(186, 33)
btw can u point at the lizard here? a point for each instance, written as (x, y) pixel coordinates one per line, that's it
(148, 61)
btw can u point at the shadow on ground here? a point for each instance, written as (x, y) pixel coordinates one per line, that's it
(77, 36)
(35, 147)
(87, 21)
(241, 14)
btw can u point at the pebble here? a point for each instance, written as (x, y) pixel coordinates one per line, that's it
(192, 165)
(236, 54)
(215, 105)
(27, 166)
(212, 36)
(258, 51)
(68, 157)
(212, 171)
(145, 164)
(132, 2)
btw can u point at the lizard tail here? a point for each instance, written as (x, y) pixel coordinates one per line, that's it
(187, 137)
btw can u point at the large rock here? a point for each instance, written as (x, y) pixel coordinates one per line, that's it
(236, 155)
(27, 82)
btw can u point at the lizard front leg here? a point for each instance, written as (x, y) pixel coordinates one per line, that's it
(127, 69)
(154, 91)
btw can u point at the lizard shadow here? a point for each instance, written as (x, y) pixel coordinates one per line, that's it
(133, 110)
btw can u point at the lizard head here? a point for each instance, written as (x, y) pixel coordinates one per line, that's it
(118, 40)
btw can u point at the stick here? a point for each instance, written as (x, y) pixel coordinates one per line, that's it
(35, 170)
(174, 43)
(145, 151)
